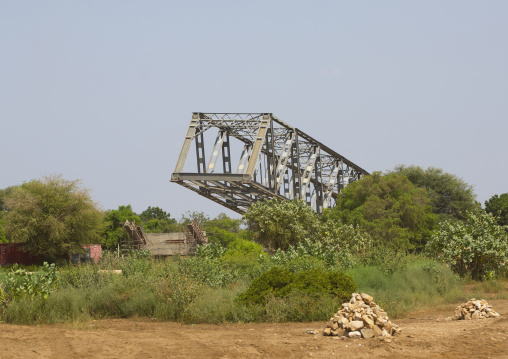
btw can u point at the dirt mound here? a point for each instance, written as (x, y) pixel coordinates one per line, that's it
(361, 317)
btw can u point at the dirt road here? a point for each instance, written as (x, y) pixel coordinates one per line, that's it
(422, 337)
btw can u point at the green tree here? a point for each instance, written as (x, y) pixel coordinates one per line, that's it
(201, 217)
(478, 246)
(154, 213)
(277, 224)
(224, 222)
(390, 208)
(3, 239)
(449, 195)
(112, 231)
(157, 220)
(3, 210)
(498, 207)
(53, 217)
(3, 195)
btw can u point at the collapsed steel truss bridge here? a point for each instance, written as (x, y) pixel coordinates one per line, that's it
(274, 160)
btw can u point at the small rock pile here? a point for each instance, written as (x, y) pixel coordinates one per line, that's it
(475, 309)
(361, 318)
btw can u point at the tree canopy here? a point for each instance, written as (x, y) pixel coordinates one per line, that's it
(157, 220)
(3, 239)
(389, 207)
(498, 207)
(450, 197)
(278, 224)
(201, 217)
(154, 213)
(52, 216)
(112, 231)
(223, 221)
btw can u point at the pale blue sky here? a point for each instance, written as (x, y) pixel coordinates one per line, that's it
(103, 91)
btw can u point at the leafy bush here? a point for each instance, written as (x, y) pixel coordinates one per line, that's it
(22, 284)
(277, 224)
(316, 283)
(330, 251)
(276, 282)
(478, 246)
(241, 256)
(210, 250)
(280, 282)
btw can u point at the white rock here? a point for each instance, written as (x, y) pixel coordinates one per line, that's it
(355, 335)
(355, 325)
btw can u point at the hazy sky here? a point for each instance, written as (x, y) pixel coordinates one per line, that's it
(103, 91)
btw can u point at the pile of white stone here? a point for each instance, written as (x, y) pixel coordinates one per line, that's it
(475, 309)
(361, 318)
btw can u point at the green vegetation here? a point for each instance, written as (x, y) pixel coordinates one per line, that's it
(3, 239)
(423, 283)
(22, 284)
(478, 246)
(449, 195)
(53, 217)
(289, 264)
(390, 208)
(280, 282)
(3, 212)
(498, 207)
(157, 220)
(201, 290)
(279, 224)
(111, 224)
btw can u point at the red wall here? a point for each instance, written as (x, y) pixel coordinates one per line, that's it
(11, 253)
(95, 252)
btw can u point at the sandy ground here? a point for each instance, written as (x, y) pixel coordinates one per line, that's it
(424, 335)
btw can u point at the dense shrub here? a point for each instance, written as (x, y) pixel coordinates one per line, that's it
(478, 246)
(279, 282)
(276, 282)
(334, 249)
(22, 284)
(278, 224)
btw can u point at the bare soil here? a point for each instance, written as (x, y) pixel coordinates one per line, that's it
(424, 335)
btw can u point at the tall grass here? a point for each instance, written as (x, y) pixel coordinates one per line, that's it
(423, 284)
(200, 290)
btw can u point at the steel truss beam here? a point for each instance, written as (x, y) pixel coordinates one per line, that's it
(276, 160)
